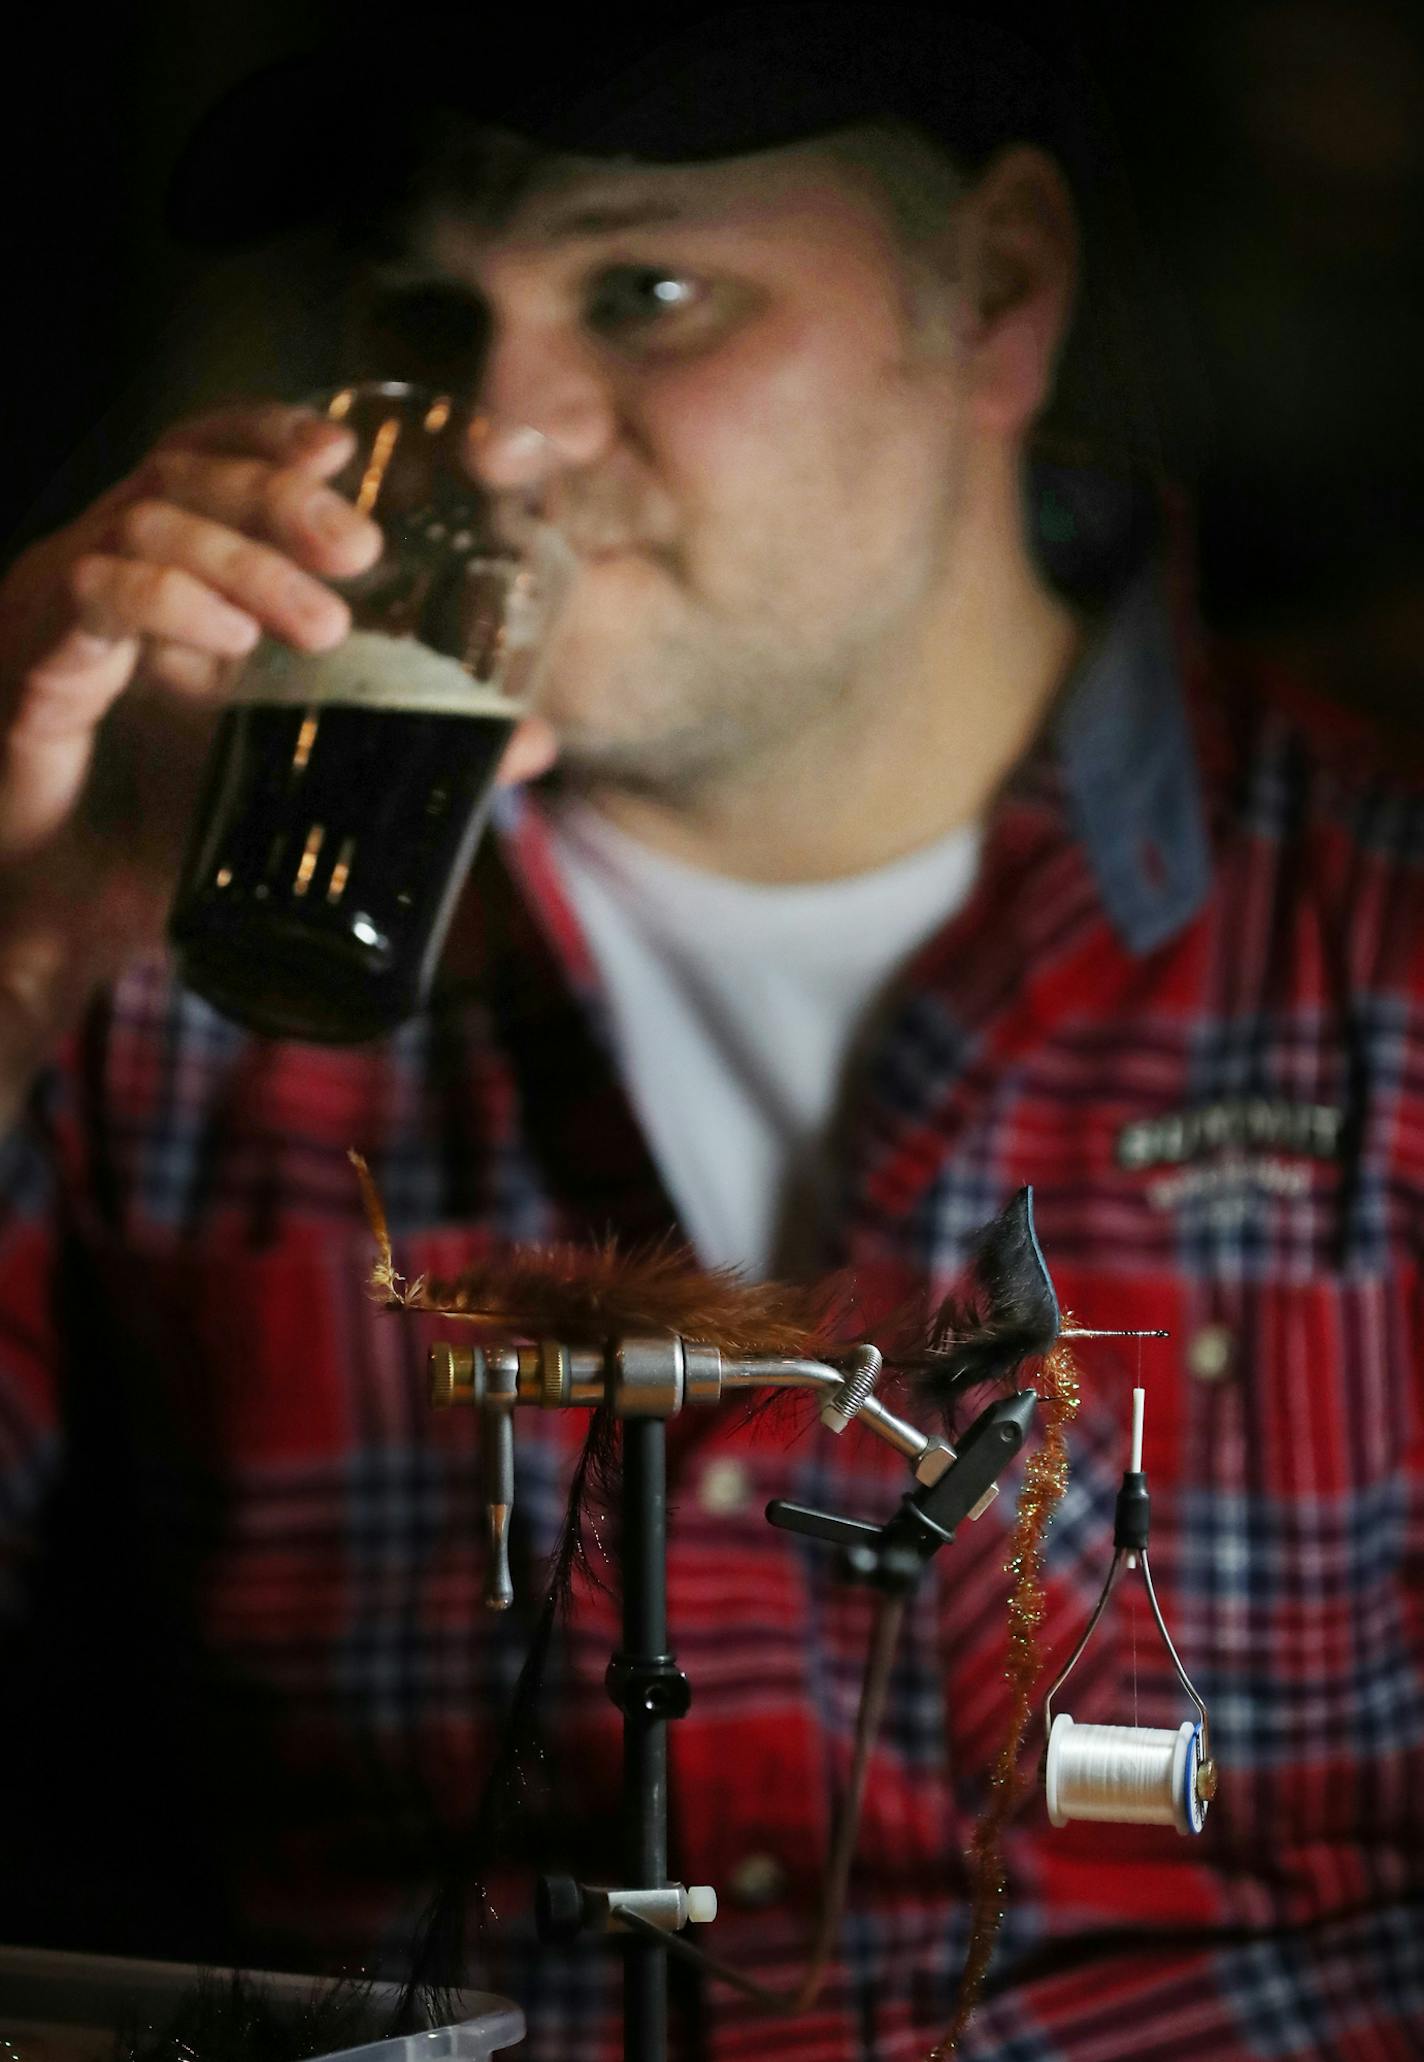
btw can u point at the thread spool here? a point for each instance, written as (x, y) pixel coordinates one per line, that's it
(1125, 1775)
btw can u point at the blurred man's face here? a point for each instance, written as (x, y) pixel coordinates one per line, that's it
(759, 447)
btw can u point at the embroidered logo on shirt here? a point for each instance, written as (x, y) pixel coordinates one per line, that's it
(1238, 1124)
(1229, 1156)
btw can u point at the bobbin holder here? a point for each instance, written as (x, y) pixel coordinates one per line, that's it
(1131, 1526)
(644, 1381)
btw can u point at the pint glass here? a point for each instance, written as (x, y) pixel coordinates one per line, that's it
(346, 789)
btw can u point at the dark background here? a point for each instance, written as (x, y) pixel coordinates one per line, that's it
(1274, 151)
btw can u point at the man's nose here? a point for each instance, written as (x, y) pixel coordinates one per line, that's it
(540, 412)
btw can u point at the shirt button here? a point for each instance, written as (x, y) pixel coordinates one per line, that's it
(758, 1879)
(1210, 1352)
(725, 1487)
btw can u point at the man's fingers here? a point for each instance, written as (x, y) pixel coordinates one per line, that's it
(275, 430)
(195, 674)
(287, 507)
(253, 577)
(81, 653)
(118, 599)
(531, 751)
(65, 697)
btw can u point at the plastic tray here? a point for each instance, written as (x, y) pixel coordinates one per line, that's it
(57, 2007)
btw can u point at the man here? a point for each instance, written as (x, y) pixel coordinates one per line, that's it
(877, 877)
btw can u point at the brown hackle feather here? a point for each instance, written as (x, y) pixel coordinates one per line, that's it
(384, 1279)
(585, 1294)
(589, 1293)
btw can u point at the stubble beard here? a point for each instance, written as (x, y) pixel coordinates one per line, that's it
(691, 716)
(694, 699)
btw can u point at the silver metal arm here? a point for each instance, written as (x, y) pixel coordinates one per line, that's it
(652, 1377)
(659, 1375)
(848, 1393)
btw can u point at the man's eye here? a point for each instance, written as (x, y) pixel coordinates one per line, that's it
(634, 298)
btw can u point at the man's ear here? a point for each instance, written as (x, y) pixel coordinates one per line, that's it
(1019, 252)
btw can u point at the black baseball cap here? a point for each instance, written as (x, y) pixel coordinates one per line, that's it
(325, 132)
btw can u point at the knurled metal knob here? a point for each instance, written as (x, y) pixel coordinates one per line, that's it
(452, 1374)
(555, 1375)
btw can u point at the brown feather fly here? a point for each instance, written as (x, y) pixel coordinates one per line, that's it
(586, 1294)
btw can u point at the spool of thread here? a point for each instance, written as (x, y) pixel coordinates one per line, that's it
(1125, 1775)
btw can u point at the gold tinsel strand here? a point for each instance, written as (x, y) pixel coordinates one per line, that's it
(1044, 1481)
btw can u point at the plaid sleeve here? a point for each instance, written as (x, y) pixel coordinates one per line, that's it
(30, 1441)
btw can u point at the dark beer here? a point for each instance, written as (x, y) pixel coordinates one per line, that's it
(333, 840)
(347, 788)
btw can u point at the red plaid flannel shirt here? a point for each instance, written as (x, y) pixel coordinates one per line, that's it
(241, 1560)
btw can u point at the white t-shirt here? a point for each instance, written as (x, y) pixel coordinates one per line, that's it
(738, 1011)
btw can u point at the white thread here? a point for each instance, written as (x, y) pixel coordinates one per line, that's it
(1124, 1775)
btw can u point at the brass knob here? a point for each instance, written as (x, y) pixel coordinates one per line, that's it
(452, 1374)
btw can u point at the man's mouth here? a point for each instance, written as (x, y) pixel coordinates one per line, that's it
(593, 548)
(608, 558)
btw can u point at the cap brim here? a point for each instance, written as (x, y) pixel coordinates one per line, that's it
(323, 133)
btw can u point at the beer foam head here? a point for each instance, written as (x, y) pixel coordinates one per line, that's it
(371, 670)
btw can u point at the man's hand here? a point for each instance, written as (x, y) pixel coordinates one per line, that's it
(221, 533)
(124, 626)
(118, 637)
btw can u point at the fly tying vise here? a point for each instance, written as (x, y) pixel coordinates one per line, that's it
(636, 1341)
(1120, 1774)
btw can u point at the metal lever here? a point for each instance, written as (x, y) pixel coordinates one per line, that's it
(894, 1554)
(565, 1908)
(467, 1374)
(497, 1467)
(984, 1452)
(821, 1524)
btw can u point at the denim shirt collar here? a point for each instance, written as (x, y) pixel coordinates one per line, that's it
(1129, 768)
